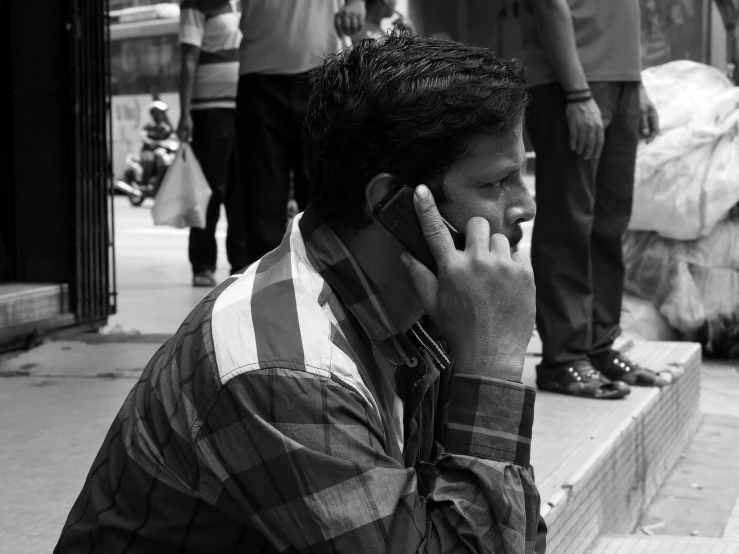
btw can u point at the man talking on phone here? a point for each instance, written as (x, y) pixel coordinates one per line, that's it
(339, 395)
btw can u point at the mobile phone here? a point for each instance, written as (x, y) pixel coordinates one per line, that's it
(397, 215)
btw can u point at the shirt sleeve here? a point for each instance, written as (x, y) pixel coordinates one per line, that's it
(192, 25)
(302, 459)
(490, 419)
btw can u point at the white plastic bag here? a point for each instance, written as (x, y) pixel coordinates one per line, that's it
(182, 200)
(687, 179)
(641, 320)
(693, 284)
(683, 308)
(682, 88)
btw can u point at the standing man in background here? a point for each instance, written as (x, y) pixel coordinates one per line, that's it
(588, 112)
(209, 40)
(282, 41)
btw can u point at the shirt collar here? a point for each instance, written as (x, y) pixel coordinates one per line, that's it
(334, 262)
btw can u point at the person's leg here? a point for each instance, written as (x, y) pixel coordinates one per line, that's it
(244, 177)
(212, 141)
(613, 202)
(561, 242)
(614, 197)
(146, 158)
(300, 94)
(236, 234)
(264, 129)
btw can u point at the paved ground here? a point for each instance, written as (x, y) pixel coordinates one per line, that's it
(665, 545)
(155, 293)
(701, 495)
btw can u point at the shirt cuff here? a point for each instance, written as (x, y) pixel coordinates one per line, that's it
(490, 418)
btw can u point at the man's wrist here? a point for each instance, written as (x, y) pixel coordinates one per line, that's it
(507, 368)
(577, 96)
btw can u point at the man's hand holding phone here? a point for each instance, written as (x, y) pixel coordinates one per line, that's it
(483, 298)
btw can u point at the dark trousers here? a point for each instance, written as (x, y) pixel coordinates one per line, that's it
(213, 142)
(583, 210)
(270, 111)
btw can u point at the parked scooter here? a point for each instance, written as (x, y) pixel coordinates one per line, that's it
(138, 188)
(145, 172)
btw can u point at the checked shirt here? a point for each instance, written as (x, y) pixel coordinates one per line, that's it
(288, 414)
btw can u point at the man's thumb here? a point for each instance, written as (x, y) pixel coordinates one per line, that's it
(424, 281)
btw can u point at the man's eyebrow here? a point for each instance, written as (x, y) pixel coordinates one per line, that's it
(500, 173)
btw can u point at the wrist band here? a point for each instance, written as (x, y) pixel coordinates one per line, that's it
(577, 91)
(579, 99)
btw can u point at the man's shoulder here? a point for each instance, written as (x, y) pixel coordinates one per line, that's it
(282, 314)
(274, 315)
(279, 316)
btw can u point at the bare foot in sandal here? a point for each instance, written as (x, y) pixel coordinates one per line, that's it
(616, 366)
(579, 378)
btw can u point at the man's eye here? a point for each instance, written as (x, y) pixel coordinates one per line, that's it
(494, 184)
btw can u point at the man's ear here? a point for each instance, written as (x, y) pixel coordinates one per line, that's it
(377, 189)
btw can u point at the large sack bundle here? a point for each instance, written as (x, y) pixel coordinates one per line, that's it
(693, 284)
(640, 320)
(681, 88)
(687, 179)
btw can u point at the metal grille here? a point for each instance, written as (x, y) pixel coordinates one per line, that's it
(94, 287)
(7, 202)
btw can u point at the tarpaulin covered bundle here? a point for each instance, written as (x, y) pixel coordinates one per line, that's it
(687, 179)
(682, 248)
(693, 284)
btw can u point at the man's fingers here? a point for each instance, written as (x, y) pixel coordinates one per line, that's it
(356, 23)
(477, 236)
(424, 281)
(653, 118)
(340, 22)
(573, 135)
(644, 123)
(500, 246)
(521, 259)
(583, 139)
(590, 143)
(347, 23)
(437, 235)
(600, 138)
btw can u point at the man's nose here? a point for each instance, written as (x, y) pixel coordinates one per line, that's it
(523, 207)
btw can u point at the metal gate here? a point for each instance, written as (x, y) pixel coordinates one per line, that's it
(93, 292)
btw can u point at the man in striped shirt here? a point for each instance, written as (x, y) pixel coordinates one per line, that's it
(338, 396)
(209, 73)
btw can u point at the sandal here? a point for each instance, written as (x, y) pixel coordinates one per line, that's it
(579, 378)
(615, 366)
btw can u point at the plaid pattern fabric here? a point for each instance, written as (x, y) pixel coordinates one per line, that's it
(288, 414)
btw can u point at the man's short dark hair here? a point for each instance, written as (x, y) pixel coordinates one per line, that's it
(403, 105)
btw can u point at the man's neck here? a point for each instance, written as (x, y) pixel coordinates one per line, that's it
(378, 254)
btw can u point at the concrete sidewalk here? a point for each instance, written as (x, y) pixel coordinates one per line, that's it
(154, 278)
(56, 404)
